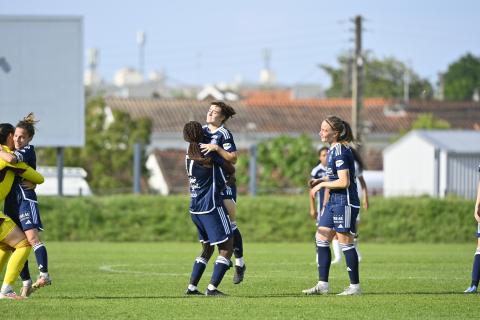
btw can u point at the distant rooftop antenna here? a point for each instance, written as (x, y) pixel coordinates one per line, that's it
(267, 78)
(267, 56)
(141, 38)
(92, 58)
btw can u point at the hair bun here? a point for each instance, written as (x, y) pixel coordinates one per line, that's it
(30, 118)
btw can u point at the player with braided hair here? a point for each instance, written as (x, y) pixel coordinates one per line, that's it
(207, 180)
(21, 205)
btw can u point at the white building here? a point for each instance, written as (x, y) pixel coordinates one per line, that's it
(74, 183)
(433, 162)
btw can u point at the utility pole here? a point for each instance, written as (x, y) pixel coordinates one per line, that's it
(357, 80)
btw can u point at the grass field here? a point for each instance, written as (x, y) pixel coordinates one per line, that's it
(147, 281)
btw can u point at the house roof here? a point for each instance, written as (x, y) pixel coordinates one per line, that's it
(269, 116)
(459, 141)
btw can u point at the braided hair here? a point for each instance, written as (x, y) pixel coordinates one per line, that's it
(28, 124)
(193, 134)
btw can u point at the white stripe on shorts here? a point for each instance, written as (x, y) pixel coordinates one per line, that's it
(348, 215)
(224, 220)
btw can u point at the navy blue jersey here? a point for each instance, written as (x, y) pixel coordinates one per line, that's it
(340, 157)
(221, 137)
(319, 172)
(18, 193)
(27, 155)
(206, 184)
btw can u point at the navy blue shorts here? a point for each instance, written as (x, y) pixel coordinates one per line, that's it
(213, 227)
(29, 216)
(230, 192)
(339, 217)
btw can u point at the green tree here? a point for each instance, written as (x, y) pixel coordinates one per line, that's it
(382, 78)
(108, 151)
(429, 122)
(283, 163)
(426, 121)
(462, 78)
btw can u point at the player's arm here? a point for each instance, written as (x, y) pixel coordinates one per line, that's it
(342, 182)
(363, 185)
(228, 167)
(326, 197)
(229, 156)
(476, 212)
(8, 156)
(26, 172)
(313, 209)
(313, 182)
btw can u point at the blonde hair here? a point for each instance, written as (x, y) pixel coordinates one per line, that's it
(28, 123)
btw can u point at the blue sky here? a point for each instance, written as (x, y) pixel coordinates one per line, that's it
(198, 42)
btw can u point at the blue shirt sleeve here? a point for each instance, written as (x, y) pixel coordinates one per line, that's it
(341, 162)
(27, 155)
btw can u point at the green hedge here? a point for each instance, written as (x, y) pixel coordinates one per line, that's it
(267, 219)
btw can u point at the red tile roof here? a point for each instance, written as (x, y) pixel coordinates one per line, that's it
(301, 116)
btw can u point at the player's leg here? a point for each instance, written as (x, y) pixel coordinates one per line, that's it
(27, 284)
(356, 241)
(201, 261)
(240, 266)
(222, 264)
(199, 267)
(337, 251)
(345, 217)
(476, 267)
(30, 213)
(220, 234)
(323, 237)
(12, 236)
(5, 252)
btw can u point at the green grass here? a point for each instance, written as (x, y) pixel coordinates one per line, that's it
(147, 281)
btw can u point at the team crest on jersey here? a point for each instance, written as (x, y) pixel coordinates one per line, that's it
(227, 146)
(339, 163)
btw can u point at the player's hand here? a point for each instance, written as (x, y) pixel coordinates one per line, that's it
(206, 148)
(315, 190)
(314, 214)
(365, 204)
(313, 182)
(28, 185)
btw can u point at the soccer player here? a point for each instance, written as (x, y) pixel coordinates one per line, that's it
(339, 215)
(13, 242)
(319, 174)
(21, 206)
(363, 186)
(476, 258)
(220, 140)
(207, 180)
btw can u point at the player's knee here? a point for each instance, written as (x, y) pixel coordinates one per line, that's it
(226, 248)
(207, 252)
(323, 233)
(34, 241)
